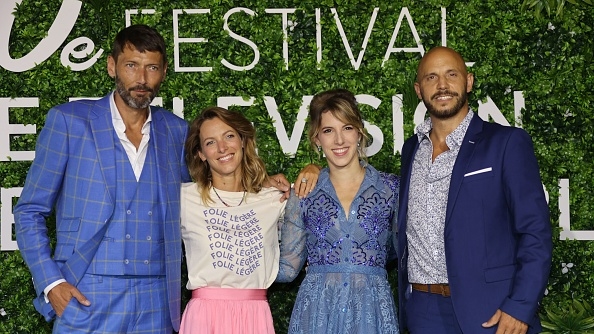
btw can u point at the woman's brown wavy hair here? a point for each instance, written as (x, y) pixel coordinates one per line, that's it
(342, 104)
(253, 170)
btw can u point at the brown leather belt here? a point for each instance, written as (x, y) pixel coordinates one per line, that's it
(440, 289)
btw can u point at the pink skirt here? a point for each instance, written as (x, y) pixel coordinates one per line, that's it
(227, 311)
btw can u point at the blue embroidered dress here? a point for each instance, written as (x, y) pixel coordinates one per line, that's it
(345, 289)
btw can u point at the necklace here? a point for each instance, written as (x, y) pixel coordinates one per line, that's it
(227, 205)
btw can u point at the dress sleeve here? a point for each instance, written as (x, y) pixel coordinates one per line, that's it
(395, 208)
(393, 183)
(293, 251)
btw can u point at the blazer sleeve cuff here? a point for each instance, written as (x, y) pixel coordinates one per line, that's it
(524, 311)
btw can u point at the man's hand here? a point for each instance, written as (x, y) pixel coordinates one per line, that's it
(306, 180)
(60, 295)
(507, 324)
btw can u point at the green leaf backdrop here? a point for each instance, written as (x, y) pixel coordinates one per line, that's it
(550, 60)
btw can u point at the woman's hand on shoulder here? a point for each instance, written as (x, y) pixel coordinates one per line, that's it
(307, 180)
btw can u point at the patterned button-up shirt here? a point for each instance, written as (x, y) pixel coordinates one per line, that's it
(427, 203)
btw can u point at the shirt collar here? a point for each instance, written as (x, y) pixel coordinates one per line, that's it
(371, 178)
(455, 138)
(118, 122)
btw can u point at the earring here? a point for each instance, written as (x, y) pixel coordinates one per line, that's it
(358, 144)
(319, 148)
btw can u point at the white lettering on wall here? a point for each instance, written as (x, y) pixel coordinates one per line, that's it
(130, 12)
(179, 40)
(227, 101)
(56, 35)
(7, 218)
(345, 42)
(318, 37)
(285, 25)
(374, 131)
(564, 220)
(82, 47)
(241, 39)
(444, 40)
(397, 122)
(289, 146)
(489, 109)
(14, 129)
(88, 47)
(519, 104)
(178, 106)
(391, 49)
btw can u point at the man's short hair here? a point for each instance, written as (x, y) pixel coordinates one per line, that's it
(142, 37)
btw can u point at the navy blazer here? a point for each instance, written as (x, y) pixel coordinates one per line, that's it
(73, 173)
(498, 241)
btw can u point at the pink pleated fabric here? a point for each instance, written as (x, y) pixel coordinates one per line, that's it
(227, 311)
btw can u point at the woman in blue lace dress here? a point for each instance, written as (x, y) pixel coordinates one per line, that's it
(344, 229)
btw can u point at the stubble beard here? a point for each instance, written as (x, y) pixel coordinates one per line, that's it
(448, 113)
(136, 102)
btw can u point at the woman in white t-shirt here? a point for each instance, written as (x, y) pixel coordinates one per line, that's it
(229, 227)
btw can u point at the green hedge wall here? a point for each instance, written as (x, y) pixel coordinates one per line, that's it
(550, 60)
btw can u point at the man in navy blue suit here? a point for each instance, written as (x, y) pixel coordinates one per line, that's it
(474, 231)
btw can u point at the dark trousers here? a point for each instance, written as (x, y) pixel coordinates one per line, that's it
(430, 313)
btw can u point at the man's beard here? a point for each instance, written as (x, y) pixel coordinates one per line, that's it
(448, 113)
(136, 102)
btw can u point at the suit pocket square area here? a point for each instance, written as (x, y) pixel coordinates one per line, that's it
(480, 171)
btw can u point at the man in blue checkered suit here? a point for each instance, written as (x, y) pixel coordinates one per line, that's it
(111, 169)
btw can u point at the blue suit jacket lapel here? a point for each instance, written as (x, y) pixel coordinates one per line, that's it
(102, 129)
(159, 134)
(471, 140)
(102, 132)
(407, 161)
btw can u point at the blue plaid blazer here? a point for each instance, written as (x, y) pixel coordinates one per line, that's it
(73, 173)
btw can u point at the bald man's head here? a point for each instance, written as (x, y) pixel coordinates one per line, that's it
(443, 83)
(444, 54)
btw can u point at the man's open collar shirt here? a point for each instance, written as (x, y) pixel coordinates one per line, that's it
(427, 204)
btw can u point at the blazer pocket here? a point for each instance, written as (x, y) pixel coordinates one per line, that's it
(500, 273)
(478, 174)
(67, 231)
